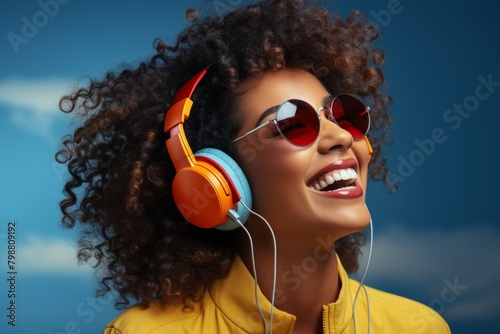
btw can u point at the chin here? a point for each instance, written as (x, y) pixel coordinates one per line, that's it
(349, 219)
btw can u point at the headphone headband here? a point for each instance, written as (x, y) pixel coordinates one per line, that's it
(178, 113)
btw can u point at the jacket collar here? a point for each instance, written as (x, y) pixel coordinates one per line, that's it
(234, 296)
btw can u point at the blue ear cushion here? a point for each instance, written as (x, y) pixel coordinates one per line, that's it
(239, 180)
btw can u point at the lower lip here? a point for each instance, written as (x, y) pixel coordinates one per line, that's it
(354, 191)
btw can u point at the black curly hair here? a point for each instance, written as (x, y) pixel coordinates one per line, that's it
(119, 190)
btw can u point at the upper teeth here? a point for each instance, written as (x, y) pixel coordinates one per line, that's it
(336, 175)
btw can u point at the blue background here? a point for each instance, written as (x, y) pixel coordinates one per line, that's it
(437, 238)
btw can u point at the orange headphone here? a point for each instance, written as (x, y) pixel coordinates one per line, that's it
(208, 184)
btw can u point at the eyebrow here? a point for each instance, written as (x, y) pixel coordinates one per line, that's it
(274, 109)
(266, 113)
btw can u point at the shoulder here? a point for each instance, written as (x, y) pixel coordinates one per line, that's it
(154, 319)
(396, 312)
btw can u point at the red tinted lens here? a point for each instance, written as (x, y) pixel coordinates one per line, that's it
(298, 122)
(351, 115)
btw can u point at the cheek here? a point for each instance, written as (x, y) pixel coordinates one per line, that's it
(267, 169)
(275, 174)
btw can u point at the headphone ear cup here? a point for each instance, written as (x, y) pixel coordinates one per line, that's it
(237, 178)
(202, 195)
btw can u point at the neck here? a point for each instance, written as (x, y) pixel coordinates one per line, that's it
(307, 274)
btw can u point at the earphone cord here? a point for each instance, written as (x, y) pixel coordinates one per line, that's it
(254, 274)
(234, 217)
(361, 283)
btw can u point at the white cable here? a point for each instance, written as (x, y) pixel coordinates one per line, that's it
(361, 283)
(255, 277)
(273, 293)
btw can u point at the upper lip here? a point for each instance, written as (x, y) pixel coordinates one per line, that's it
(336, 165)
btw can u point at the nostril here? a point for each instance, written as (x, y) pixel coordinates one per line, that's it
(341, 146)
(336, 147)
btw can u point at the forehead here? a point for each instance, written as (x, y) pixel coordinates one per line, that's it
(273, 88)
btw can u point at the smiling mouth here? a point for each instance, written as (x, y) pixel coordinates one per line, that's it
(339, 179)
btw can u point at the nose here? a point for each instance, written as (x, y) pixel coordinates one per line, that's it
(331, 135)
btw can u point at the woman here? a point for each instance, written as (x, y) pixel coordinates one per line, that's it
(257, 231)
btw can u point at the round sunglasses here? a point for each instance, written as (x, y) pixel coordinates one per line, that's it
(298, 122)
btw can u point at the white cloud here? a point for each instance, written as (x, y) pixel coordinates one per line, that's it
(33, 104)
(430, 261)
(48, 256)
(40, 96)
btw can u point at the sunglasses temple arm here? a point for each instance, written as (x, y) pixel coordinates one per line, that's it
(253, 130)
(370, 148)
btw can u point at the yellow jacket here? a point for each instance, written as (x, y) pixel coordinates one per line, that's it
(229, 307)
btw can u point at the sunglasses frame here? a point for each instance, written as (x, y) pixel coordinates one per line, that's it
(318, 112)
